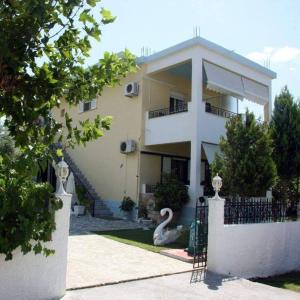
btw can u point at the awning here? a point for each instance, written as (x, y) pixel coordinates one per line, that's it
(255, 91)
(223, 81)
(210, 151)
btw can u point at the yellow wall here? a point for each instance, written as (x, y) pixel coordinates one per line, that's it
(158, 88)
(150, 169)
(110, 172)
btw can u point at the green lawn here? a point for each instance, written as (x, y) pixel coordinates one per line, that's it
(289, 281)
(143, 239)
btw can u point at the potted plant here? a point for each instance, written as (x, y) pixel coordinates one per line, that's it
(144, 219)
(126, 207)
(170, 193)
(79, 207)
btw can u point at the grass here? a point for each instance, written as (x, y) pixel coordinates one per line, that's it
(143, 239)
(289, 281)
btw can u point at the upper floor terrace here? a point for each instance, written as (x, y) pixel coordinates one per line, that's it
(203, 91)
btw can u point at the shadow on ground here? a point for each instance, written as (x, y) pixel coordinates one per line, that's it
(212, 280)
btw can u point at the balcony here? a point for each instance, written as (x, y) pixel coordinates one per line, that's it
(174, 127)
(168, 111)
(224, 106)
(219, 111)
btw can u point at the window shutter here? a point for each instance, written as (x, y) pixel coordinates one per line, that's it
(80, 107)
(94, 104)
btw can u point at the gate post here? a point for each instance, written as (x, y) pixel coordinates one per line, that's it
(215, 228)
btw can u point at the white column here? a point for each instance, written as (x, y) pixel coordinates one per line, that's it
(215, 233)
(33, 276)
(197, 108)
(268, 106)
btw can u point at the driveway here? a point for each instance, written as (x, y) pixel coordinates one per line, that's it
(94, 260)
(187, 286)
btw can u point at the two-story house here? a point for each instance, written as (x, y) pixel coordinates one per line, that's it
(168, 117)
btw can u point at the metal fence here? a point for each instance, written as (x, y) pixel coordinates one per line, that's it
(219, 111)
(168, 111)
(258, 210)
(200, 233)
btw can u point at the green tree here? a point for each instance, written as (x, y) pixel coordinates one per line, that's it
(6, 143)
(285, 131)
(245, 164)
(44, 45)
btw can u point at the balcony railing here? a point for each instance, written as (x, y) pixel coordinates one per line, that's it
(219, 111)
(168, 111)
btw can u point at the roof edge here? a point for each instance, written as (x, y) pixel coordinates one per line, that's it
(210, 46)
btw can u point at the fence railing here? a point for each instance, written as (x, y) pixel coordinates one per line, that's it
(258, 210)
(219, 111)
(168, 111)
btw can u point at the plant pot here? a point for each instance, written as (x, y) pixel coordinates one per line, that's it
(147, 224)
(127, 215)
(79, 210)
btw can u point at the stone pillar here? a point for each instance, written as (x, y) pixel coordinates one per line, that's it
(215, 228)
(196, 110)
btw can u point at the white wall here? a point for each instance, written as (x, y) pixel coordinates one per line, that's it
(173, 128)
(251, 250)
(213, 127)
(35, 277)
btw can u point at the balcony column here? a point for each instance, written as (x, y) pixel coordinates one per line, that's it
(268, 106)
(197, 110)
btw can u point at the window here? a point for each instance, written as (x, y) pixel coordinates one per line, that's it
(179, 168)
(177, 103)
(86, 106)
(176, 166)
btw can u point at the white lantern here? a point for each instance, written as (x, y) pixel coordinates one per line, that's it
(62, 172)
(217, 184)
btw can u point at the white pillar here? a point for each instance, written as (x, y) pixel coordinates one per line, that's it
(268, 106)
(33, 276)
(215, 233)
(197, 108)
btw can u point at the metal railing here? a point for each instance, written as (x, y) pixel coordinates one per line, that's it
(257, 210)
(168, 111)
(219, 111)
(150, 188)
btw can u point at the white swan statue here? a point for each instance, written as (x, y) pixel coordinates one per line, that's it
(163, 236)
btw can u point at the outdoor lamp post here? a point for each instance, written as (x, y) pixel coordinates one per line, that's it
(217, 184)
(62, 172)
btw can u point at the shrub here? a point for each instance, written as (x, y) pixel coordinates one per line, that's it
(127, 204)
(170, 193)
(245, 164)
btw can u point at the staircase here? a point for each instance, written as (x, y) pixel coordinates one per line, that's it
(98, 207)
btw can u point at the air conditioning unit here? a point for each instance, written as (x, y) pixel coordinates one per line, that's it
(128, 146)
(131, 89)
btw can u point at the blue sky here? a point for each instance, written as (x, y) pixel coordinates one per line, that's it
(256, 29)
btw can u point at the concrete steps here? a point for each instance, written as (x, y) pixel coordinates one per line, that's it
(98, 206)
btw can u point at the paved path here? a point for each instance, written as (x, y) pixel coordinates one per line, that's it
(87, 224)
(96, 260)
(187, 286)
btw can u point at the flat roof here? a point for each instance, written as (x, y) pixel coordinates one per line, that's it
(210, 46)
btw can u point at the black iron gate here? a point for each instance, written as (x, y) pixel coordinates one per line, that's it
(201, 233)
